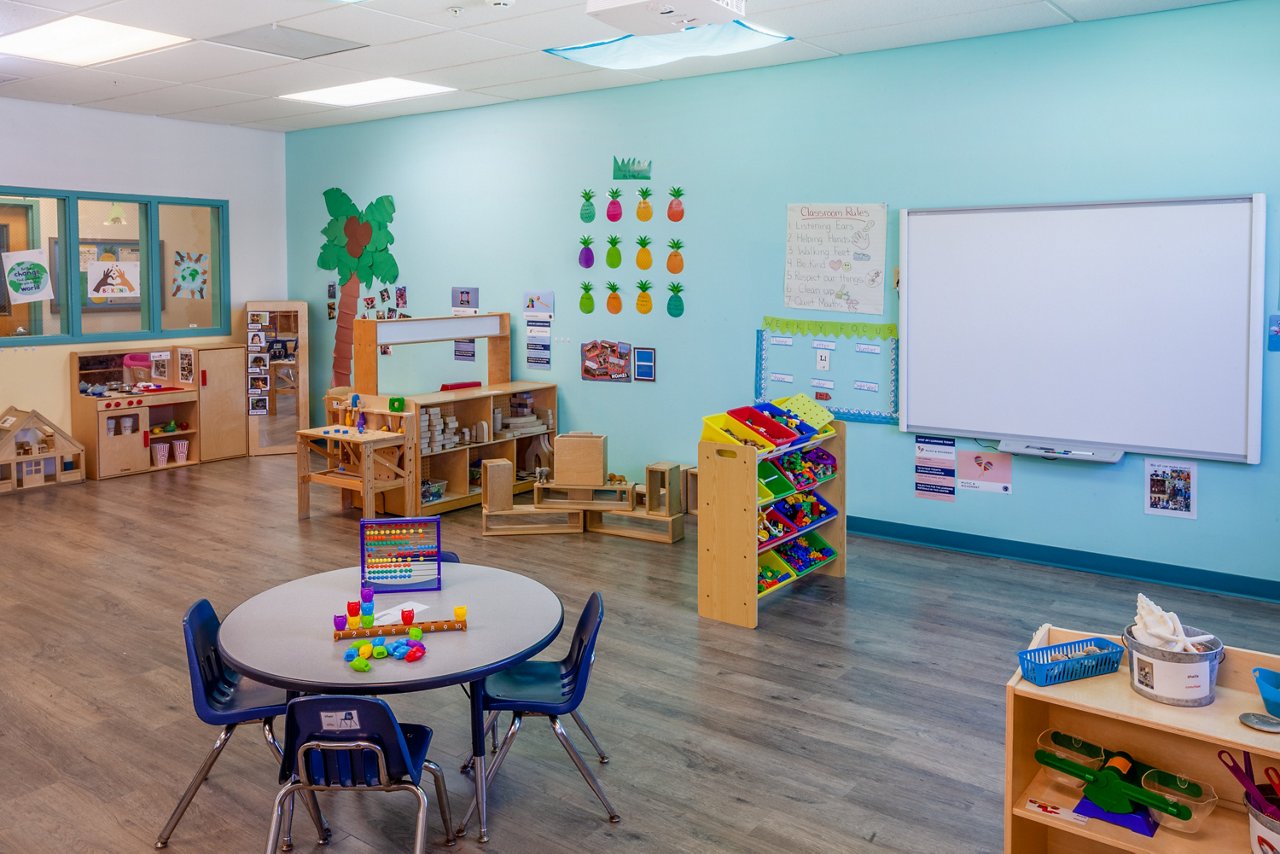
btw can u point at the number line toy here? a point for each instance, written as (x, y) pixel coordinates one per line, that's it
(401, 629)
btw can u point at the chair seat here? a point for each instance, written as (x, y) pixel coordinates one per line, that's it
(536, 687)
(244, 700)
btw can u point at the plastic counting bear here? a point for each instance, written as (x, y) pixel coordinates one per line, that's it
(400, 555)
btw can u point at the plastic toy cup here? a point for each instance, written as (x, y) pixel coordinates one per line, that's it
(460, 612)
(366, 594)
(406, 615)
(366, 621)
(339, 622)
(366, 608)
(353, 609)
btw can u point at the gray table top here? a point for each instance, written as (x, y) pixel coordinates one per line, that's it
(284, 636)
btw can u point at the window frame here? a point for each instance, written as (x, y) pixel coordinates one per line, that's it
(152, 313)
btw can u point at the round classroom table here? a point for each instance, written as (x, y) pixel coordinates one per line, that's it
(284, 637)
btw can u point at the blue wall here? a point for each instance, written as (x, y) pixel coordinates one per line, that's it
(1180, 103)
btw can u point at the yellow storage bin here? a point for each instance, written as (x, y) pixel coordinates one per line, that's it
(721, 428)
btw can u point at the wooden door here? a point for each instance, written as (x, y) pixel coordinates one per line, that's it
(14, 222)
(223, 405)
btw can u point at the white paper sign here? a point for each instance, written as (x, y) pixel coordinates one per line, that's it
(113, 279)
(822, 384)
(782, 378)
(835, 257)
(339, 721)
(780, 340)
(1171, 679)
(26, 276)
(866, 348)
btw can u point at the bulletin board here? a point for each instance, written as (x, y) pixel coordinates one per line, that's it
(861, 366)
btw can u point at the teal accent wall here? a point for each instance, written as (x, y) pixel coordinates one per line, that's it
(1180, 103)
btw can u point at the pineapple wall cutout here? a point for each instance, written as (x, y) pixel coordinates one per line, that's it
(614, 303)
(644, 208)
(586, 302)
(587, 213)
(675, 302)
(613, 257)
(586, 255)
(644, 257)
(644, 300)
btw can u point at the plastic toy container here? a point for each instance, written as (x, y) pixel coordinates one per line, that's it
(804, 431)
(821, 510)
(1185, 679)
(721, 428)
(1200, 798)
(1042, 666)
(771, 483)
(780, 522)
(820, 456)
(433, 490)
(758, 422)
(1269, 687)
(810, 542)
(1072, 748)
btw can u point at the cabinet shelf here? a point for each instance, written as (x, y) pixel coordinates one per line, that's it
(1106, 710)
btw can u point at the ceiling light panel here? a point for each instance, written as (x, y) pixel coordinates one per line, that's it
(84, 41)
(369, 92)
(286, 41)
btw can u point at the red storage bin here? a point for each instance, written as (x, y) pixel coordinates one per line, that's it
(757, 422)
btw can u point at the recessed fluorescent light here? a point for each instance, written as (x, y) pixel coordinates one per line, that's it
(369, 92)
(84, 41)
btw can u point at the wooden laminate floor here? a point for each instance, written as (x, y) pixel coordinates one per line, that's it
(863, 715)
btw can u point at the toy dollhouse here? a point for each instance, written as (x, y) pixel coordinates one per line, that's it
(36, 452)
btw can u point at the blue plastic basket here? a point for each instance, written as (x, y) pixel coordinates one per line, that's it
(1037, 667)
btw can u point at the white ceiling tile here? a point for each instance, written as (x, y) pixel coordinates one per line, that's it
(360, 24)
(295, 76)
(418, 106)
(78, 86)
(1092, 10)
(288, 123)
(597, 79)
(420, 54)
(206, 18)
(1011, 19)
(194, 61)
(175, 99)
(17, 66)
(558, 28)
(244, 112)
(780, 54)
(534, 65)
(74, 6)
(18, 16)
(473, 11)
(842, 16)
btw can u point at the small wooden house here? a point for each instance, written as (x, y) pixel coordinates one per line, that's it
(36, 452)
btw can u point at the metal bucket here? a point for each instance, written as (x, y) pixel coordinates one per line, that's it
(1174, 678)
(1264, 831)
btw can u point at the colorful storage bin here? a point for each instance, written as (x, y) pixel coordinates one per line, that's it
(1042, 666)
(779, 528)
(771, 484)
(760, 423)
(804, 510)
(805, 553)
(721, 428)
(803, 429)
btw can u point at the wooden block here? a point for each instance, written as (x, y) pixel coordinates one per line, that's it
(690, 492)
(580, 459)
(662, 489)
(551, 495)
(530, 520)
(497, 478)
(637, 525)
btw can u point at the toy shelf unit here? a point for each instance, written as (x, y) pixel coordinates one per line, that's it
(192, 408)
(277, 330)
(458, 430)
(1105, 710)
(735, 569)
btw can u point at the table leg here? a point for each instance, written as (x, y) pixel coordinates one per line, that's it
(304, 478)
(367, 475)
(477, 753)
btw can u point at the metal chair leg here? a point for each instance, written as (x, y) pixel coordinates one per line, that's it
(194, 786)
(510, 738)
(582, 768)
(586, 730)
(323, 831)
(489, 721)
(277, 813)
(420, 831)
(442, 800)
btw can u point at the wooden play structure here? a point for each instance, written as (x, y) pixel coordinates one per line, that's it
(35, 452)
(368, 452)
(582, 497)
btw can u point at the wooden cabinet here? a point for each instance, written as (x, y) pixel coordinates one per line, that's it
(122, 446)
(730, 499)
(223, 407)
(1105, 710)
(282, 358)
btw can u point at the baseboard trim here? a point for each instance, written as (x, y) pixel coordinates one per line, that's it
(1101, 564)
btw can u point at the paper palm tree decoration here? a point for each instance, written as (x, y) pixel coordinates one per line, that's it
(357, 245)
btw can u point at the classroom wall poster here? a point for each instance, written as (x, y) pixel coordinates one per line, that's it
(26, 276)
(935, 468)
(606, 361)
(190, 275)
(835, 257)
(113, 279)
(1170, 489)
(539, 310)
(985, 471)
(186, 365)
(465, 301)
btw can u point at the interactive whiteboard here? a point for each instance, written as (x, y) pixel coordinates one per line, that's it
(1132, 326)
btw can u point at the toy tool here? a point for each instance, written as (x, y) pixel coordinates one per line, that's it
(1245, 779)
(402, 629)
(1112, 787)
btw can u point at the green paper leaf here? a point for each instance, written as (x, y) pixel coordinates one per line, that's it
(328, 259)
(339, 204)
(335, 233)
(385, 267)
(378, 242)
(365, 275)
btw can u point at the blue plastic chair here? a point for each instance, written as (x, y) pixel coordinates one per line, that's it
(224, 698)
(334, 743)
(449, 557)
(549, 689)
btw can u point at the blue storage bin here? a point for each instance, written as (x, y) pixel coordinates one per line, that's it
(1039, 669)
(1269, 687)
(804, 431)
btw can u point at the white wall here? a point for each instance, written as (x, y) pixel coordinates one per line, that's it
(59, 147)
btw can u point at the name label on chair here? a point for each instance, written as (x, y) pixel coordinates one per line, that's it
(339, 721)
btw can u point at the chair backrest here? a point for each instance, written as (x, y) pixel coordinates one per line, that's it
(449, 557)
(212, 682)
(576, 666)
(338, 721)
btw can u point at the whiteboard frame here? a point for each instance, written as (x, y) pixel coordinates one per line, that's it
(1257, 321)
